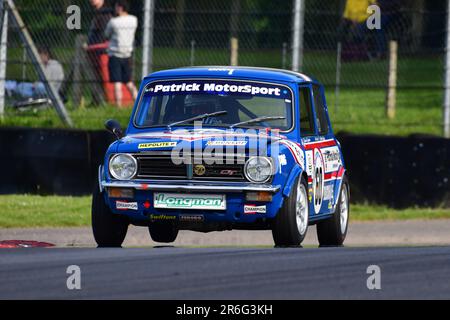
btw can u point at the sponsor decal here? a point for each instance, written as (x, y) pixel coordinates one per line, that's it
(228, 172)
(189, 201)
(226, 143)
(296, 151)
(162, 217)
(252, 209)
(332, 158)
(309, 163)
(328, 192)
(152, 145)
(282, 159)
(318, 180)
(216, 86)
(122, 205)
(199, 169)
(230, 71)
(281, 162)
(191, 217)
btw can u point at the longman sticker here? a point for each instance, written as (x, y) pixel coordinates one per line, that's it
(151, 145)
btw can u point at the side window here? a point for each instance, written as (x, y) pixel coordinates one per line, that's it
(306, 114)
(319, 105)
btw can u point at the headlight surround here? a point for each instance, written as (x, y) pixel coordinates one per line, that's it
(122, 166)
(258, 169)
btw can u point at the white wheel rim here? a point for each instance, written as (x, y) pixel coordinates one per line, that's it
(301, 212)
(344, 210)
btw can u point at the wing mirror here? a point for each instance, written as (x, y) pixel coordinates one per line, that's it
(114, 127)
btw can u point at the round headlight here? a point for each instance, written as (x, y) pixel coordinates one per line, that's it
(122, 166)
(258, 169)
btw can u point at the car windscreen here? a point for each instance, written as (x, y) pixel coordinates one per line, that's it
(166, 102)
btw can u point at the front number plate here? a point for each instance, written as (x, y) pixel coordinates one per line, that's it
(189, 201)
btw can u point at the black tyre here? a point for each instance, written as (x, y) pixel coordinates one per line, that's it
(332, 232)
(163, 231)
(291, 223)
(109, 229)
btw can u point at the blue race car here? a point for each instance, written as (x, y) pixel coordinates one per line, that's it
(222, 148)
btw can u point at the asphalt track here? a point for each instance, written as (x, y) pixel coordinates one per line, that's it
(225, 273)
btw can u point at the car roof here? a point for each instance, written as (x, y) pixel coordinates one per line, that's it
(235, 72)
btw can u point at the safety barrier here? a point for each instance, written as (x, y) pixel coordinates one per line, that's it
(395, 171)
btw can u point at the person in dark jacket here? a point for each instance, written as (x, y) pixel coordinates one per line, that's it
(97, 44)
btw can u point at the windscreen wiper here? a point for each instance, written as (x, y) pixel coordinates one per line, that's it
(256, 120)
(199, 117)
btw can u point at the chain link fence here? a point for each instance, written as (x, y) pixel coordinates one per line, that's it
(351, 60)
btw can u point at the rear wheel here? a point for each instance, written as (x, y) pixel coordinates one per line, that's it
(332, 232)
(109, 229)
(163, 231)
(291, 223)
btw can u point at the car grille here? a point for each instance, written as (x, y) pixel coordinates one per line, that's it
(160, 166)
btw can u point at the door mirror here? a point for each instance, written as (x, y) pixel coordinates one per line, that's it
(114, 127)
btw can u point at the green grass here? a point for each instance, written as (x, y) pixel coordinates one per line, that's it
(361, 212)
(21, 211)
(359, 110)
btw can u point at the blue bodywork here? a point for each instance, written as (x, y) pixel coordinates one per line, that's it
(298, 156)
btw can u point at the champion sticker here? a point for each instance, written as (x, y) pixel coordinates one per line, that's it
(251, 209)
(122, 205)
(152, 145)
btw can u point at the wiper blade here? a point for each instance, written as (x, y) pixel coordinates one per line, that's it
(256, 120)
(199, 117)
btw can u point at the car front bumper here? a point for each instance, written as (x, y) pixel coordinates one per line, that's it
(191, 186)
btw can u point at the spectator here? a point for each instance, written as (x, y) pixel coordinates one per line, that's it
(52, 68)
(102, 15)
(353, 28)
(97, 44)
(121, 31)
(53, 71)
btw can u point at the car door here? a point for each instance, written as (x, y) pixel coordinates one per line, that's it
(320, 148)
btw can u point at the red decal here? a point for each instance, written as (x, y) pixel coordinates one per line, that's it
(320, 144)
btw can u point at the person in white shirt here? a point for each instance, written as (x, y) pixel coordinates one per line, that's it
(120, 32)
(55, 76)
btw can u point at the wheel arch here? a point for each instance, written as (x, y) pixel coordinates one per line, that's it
(296, 172)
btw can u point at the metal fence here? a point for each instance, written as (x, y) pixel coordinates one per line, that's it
(351, 61)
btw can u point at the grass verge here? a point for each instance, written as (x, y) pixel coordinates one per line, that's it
(23, 211)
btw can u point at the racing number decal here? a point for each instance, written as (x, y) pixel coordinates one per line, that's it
(318, 180)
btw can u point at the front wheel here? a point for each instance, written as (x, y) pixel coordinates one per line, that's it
(291, 223)
(332, 232)
(109, 229)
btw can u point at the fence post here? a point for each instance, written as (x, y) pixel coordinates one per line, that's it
(77, 86)
(392, 82)
(338, 76)
(192, 58)
(234, 51)
(284, 56)
(3, 50)
(147, 42)
(297, 35)
(446, 113)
